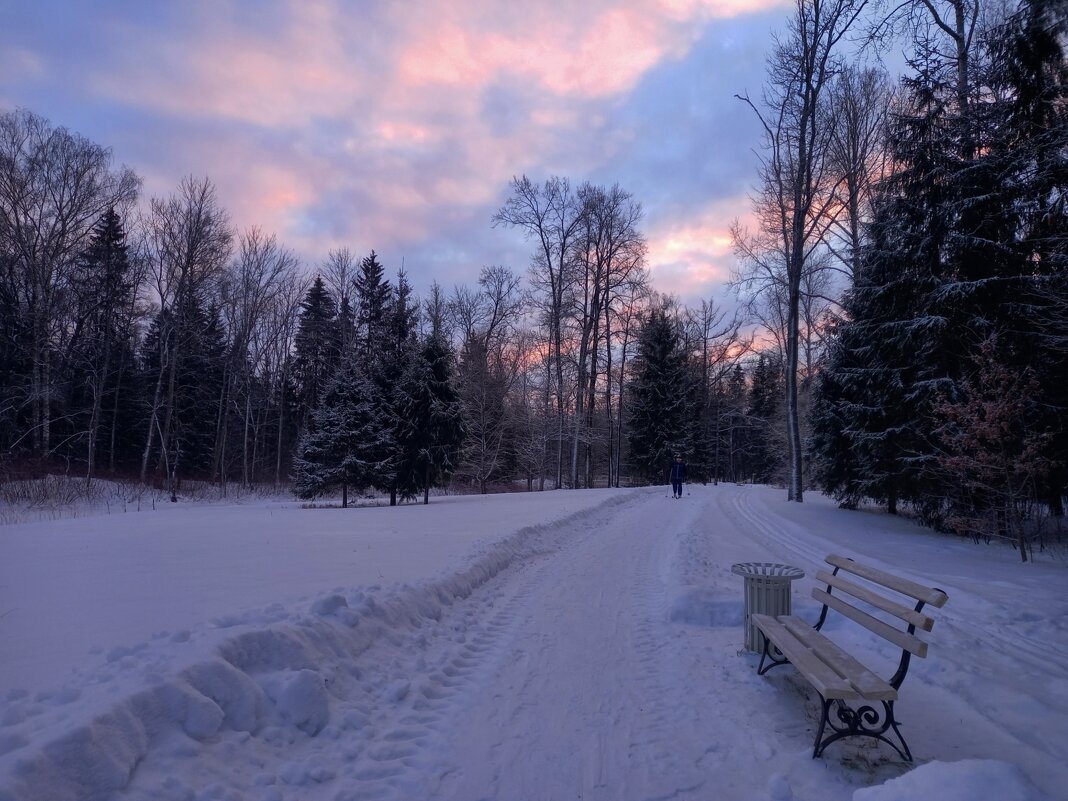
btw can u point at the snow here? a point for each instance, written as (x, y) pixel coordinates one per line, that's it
(548, 645)
(956, 781)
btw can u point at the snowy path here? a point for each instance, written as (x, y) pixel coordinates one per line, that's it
(592, 658)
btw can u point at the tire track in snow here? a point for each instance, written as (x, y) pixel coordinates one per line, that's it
(471, 639)
(585, 706)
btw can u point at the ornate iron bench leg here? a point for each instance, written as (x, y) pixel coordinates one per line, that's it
(825, 709)
(767, 657)
(863, 722)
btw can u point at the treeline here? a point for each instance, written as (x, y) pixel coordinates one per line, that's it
(911, 258)
(152, 340)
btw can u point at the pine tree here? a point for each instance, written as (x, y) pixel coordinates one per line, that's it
(373, 295)
(890, 361)
(347, 445)
(394, 351)
(1029, 78)
(316, 346)
(661, 414)
(765, 393)
(101, 356)
(431, 432)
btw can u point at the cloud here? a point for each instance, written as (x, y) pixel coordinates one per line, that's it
(398, 126)
(692, 256)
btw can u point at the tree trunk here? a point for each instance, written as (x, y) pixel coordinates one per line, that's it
(344, 495)
(115, 416)
(172, 389)
(153, 418)
(244, 444)
(793, 431)
(99, 382)
(281, 423)
(546, 407)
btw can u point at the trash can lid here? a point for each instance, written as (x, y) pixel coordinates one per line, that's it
(767, 570)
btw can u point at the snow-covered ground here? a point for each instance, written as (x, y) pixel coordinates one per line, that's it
(545, 646)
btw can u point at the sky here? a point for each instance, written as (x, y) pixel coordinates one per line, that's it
(398, 126)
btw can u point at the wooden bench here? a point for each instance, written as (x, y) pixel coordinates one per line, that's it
(840, 679)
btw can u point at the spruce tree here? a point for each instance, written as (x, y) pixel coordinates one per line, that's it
(890, 362)
(430, 431)
(101, 355)
(660, 405)
(1029, 77)
(394, 351)
(765, 392)
(316, 346)
(373, 295)
(347, 445)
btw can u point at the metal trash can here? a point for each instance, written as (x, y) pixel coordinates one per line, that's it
(767, 587)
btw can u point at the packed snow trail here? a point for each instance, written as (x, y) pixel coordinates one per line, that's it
(596, 657)
(581, 702)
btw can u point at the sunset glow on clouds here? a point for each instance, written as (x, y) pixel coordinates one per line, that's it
(398, 126)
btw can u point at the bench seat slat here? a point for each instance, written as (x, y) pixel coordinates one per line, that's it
(928, 595)
(901, 639)
(863, 680)
(828, 683)
(908, 614)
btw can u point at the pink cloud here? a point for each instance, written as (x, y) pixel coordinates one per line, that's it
(690, 256)
(598, 57)
(384, 111)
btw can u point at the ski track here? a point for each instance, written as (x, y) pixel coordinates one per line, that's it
(601, 661)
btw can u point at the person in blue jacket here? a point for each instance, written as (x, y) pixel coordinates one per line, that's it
(678, 475)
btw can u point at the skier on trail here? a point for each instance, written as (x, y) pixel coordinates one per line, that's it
(678, 475)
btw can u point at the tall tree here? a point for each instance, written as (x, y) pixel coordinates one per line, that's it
(316, 346)
(795, 203)
(373, 295)
(54, 187)
(106, 283)
(765, 395)
(661, 408)
(483, 387)
(431, 430)
(248, 289)
(393, 355)
(1028, 78)
(858, 100)
(550, 215)
(190, 241)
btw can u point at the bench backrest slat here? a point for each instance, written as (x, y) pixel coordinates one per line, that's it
(902, 639)
(928, 595)
(906, 613)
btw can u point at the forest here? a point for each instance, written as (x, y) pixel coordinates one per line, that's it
(900, 336)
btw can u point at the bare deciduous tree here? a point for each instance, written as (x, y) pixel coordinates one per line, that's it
(190, 241)
(859, 101)
(247, 291)
(796, 201)
(54, 186)
(551, 216)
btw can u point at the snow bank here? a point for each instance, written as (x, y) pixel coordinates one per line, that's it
(262, 681)
(967, 780)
